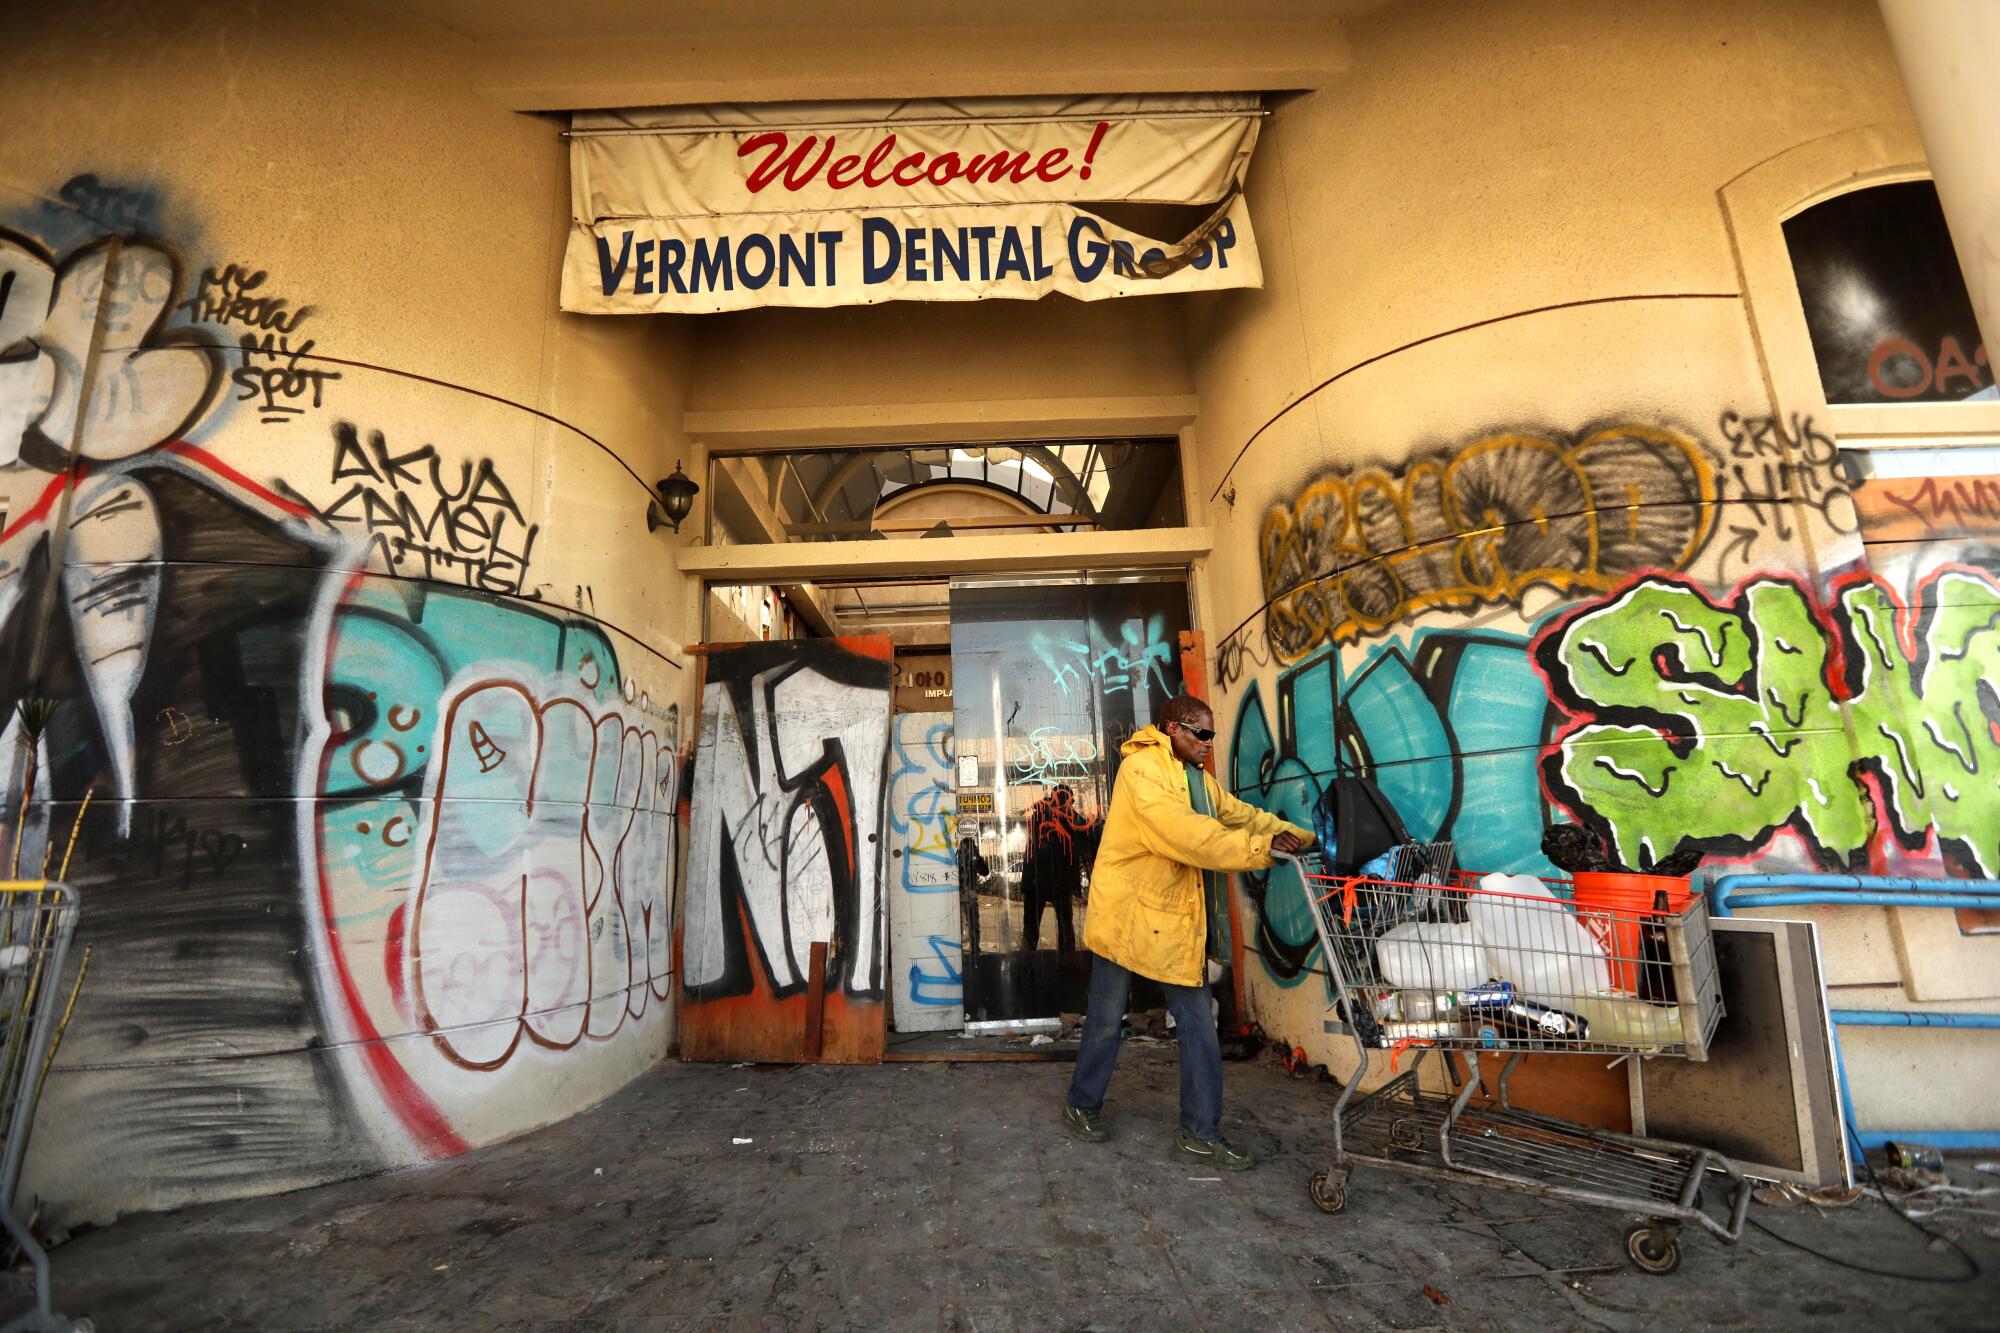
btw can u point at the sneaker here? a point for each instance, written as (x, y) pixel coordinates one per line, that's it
(1220, 1153)
(1086, 1125)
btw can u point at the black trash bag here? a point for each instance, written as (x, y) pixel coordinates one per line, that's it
(1680, 865)
(1355, 824)
(1575, 849)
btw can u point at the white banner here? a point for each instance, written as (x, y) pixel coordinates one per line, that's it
(1019, 252)
(722, 208)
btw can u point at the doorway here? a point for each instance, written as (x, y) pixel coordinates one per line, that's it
(1051, 678)
(989, 797)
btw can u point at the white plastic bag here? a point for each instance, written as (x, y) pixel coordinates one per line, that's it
(1531, 939)
(1431, 955)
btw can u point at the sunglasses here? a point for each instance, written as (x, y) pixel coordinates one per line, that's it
(1199, 733)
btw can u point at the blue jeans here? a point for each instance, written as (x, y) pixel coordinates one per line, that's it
(1194, 1026)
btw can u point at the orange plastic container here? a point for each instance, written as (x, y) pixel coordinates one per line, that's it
(1614, 906)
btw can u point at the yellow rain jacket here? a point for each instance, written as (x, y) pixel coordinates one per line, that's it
(1146, 911)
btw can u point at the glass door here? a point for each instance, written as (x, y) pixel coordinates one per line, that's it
(1050, 679)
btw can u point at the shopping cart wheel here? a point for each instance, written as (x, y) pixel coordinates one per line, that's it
(1653, 1247)
(1328, 1193)
(1406, 1134)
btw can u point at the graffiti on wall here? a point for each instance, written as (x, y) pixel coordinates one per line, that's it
(497, 821)
(785, 841)
(331, 808)
(1718, 722)
(924, 922)
(1448, 726)
(151, 384)
(1774, 471)
(277, 371)
(414, 518)
(922, 804)
(1482, 523)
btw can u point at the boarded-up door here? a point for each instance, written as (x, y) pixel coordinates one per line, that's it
(786, 851)
(924, 976)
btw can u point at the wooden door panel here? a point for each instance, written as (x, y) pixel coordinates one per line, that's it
(785, 850)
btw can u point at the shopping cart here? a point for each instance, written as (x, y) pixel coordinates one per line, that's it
(36, 921)
(1433, 961)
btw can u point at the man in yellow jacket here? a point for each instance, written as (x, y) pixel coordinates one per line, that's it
(1169, 823)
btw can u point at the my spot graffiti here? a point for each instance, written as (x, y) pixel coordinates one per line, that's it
(329, 808)
(278, 372)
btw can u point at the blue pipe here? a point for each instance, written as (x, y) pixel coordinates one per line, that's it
(1906, 1018)
(1874, 891)
(1985, 892)
(1987, 900)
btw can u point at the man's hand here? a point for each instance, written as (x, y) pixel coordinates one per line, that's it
(1287, 842)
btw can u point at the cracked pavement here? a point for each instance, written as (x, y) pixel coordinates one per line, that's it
(947, 1196)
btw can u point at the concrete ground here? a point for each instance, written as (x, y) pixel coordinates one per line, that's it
(946, 1196)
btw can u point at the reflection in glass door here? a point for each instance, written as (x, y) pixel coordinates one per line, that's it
(1050, 679)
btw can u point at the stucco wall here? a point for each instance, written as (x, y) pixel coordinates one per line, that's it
(368, 666)
(1502, 292)
(944, 353)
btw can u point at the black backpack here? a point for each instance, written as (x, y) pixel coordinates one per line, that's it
(1355, 819)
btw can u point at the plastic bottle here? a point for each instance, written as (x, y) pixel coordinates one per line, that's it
(1656, 964)
(1617, 1020)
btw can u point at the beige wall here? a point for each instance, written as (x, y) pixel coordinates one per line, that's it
(1496, 244)
(309, 959)
(943, 354)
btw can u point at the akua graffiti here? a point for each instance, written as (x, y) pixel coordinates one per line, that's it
(415, 520)
(1718, 723)
(1450, 729)
(1359, 551)
(344, 808)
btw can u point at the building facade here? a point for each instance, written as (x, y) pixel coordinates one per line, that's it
(1599, 446)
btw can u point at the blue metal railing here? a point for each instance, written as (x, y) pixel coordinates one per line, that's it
(1731, 892)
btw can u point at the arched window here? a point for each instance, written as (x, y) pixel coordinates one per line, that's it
(1885, 303)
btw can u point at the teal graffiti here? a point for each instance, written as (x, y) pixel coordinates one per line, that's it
(1449, 728)
(497, 830)
(1141, 656)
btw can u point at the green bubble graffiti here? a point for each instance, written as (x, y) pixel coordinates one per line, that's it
(1719, 724)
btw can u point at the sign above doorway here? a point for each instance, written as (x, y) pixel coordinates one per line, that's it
(693, 210)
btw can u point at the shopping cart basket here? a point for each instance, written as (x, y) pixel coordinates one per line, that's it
(1440, 963)
(36, 922)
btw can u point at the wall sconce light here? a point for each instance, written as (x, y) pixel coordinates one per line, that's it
(676, 499)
